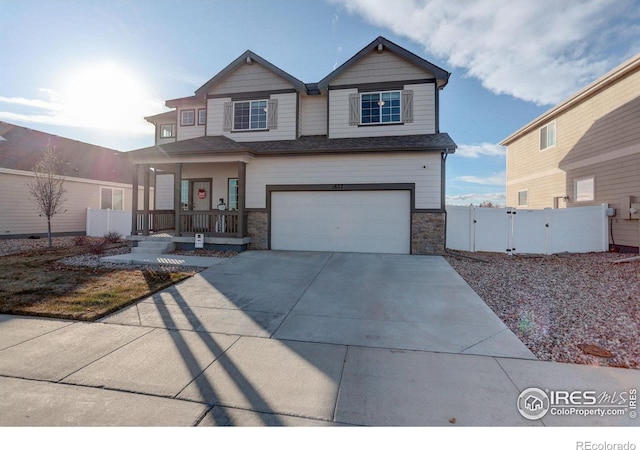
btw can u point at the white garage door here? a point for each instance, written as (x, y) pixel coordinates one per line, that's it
(345, 221)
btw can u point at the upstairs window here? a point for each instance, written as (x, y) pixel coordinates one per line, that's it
(380, 107)
(202, 116)
(548, 136)
(167, 131)
(251, 115)
(384, 107)
(187, 117)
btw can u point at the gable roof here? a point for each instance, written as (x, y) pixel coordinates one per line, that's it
(442, 76)
(21, 148)
(165, 116)
(243, 59)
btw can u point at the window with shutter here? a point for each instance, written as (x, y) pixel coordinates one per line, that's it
(228, 117)
(354, 109)
(272, 112)
(407, 106)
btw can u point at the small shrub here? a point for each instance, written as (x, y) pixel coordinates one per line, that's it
(98, 248)
(80, 241)
(112, 237)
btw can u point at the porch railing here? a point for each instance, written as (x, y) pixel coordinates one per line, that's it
(211, 223)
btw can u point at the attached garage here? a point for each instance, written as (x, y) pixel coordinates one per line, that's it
(365, 221)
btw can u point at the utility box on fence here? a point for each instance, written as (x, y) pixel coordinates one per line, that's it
(199, 240)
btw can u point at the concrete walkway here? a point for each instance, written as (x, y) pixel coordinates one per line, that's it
(164, 259)
(290, 338)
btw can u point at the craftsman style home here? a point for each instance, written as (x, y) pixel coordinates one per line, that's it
(584, 151)
(259, 159)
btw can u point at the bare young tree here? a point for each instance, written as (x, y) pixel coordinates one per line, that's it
(47, 188)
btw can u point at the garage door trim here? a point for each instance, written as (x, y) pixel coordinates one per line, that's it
(411, 187)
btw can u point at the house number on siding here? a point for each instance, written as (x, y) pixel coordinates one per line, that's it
(337, 187)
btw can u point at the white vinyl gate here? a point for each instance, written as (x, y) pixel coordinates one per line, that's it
(545, 231)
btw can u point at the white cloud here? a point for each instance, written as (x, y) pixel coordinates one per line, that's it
(497, 198)
(535, 50)
(102, 96)
(478, 150)
(496, 179)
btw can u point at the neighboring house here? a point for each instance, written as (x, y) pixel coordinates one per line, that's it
(584, 151)
(95, 177)
(355, 162)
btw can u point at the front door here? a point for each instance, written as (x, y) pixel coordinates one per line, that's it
(201, 199)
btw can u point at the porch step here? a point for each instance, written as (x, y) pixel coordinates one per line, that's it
(152, 247)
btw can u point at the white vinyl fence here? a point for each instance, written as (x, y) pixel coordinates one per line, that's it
(103, 221)
(545, 231)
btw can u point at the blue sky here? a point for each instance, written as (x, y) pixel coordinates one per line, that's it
(91, 70)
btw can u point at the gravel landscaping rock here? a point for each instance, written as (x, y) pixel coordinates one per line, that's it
(563, 306)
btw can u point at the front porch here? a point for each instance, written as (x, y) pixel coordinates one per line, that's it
(180, 200)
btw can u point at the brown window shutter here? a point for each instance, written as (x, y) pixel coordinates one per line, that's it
(228, 117)
(354, 109)
(407, 106)
(272, 114)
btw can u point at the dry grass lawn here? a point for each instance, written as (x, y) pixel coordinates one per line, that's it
(34, 283)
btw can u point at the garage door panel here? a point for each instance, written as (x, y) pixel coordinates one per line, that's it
(351, 221)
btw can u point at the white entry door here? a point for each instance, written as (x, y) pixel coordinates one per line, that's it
(342, 221)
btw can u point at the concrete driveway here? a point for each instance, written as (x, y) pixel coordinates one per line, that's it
(287, 338)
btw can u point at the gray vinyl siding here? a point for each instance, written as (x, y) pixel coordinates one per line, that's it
(250, 78)
(378, 67)
(218, 173)
(164, 191)
(191, 131)
(424, 115)
(313, 115)
(347, 169)
(286, 129)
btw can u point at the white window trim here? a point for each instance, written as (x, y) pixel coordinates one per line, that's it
(555, 135)
(591, 178)
(518, 198)
(399, 91)
(233, 115)
(112, 189)
(185, 123)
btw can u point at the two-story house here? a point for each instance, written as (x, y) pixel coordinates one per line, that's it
(259, 159)
(584, 151)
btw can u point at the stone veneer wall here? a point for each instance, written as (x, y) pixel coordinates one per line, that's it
(427, 233)
(258, 229)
